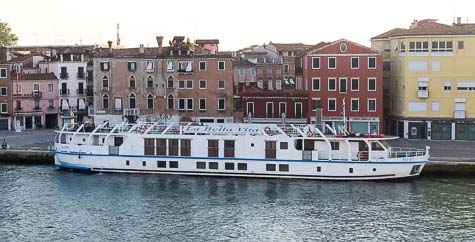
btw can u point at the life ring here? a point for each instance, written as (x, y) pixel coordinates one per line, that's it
(142, 129)
(309, 133)
(268, 131)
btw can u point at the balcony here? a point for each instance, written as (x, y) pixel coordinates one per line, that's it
(81, 91)
(36, 108)
(18, 108)
(81, 75)
(459, 114)
(104, 89)
(64, 75)
(36, 94)
(131, 112)
(63, 92)
(422, 93)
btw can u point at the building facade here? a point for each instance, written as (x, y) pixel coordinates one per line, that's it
(180, 81)
(288, 53)
(35, 99)
(344, 84)
(429, 80)
(5, 94)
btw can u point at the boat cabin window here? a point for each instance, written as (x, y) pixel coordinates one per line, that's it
(283, 167)
(229, 166)
(117, 141)
(270, 167)
(161, 164)
(149, 146)
(200, 165)
(284, 145)
(335, 145)
(376, 146)
(271, 149)
(173, 147)
(213, 148)
(173, 164)
(213, 165)
(309, 145)
(229, 148)
(185, 147)
(242, 166)
(161, 147)
(298, 144)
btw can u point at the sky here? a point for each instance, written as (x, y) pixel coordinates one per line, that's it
(237, 24)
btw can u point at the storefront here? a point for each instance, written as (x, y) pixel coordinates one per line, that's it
(417, 130)
(465, 131)
(441, 131)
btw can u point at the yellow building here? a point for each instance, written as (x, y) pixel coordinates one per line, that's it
(429, 80)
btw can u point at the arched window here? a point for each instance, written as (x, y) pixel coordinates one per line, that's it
(132, 82)
(105, 81)
(149, 82)
(170, 82)
(132, 100)
(170, 102)
(105, 101)
(150, 101)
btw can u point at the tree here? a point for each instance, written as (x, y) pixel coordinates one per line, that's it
(6, 35)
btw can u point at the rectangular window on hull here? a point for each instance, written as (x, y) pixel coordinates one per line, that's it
(213, 165)
(229, 166)
(283, 167)
(200, 165)
(242, 166)
(173, 164)
(270, 167)
(161, 164)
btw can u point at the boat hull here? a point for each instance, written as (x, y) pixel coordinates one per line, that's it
(395, 168)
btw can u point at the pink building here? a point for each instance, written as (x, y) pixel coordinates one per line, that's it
(35, 100)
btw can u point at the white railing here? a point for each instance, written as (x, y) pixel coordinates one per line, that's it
(397, 152)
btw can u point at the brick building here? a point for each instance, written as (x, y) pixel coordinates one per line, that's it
(344, 78)
(5, 91)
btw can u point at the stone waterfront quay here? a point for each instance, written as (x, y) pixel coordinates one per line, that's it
(447, 157)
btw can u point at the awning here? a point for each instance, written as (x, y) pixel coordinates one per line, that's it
(170, 65)
(82, 104)
(64, 104)
(189, 67)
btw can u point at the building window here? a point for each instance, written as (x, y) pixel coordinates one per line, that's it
(282, 108)
(371, 84)
(117, 104)
(105, 101)
(403, 47)
(269, 109)
(221, 102)
(331, 62)
(50, 87)
(355, 104)
(220, 84)
(203, 84)
(132, 100)
(441, 46)
(132, 82)
(355, 84)
(372, 62)
(260, 84)
(355, 62)
(460, 45)
(202, 65)
(315, 84)
(149, 82)
(3, 72)
(447, 86)
(51, 103)
(18, 87)
(105, 81)
(181, 103)
(286, 69)
(270, 167)
(283, 167)
(104, 66)
(150, 101)
(170, 102)
(316, 104)
(241, 72)
(278, 85)
(419, 46)
(149, 66)
(331, 104)
(252, 71)
(342, 85)
(170, 82)
(250, 109)
(270, 85)
(189, 104)
(331, 84)
(181, 84)
(315, 62)
(189, 84)
(269, 72)
(3, 91)
(4, 108)
(203, 104)
(221, 65)
(371, 104)
(132, 66)
(169, 66)
(386, 65)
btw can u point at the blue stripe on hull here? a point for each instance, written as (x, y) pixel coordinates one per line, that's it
(74, 167)
(245, 159)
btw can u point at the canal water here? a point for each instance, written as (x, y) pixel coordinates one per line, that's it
(40, 203)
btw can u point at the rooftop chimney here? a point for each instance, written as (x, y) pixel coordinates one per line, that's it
(459, 20)
(414, 24)
(109, 43)
(159, 41)
(141, 50)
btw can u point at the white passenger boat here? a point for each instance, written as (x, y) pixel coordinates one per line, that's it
(239, 150)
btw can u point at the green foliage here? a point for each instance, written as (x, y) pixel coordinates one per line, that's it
(6, 35)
